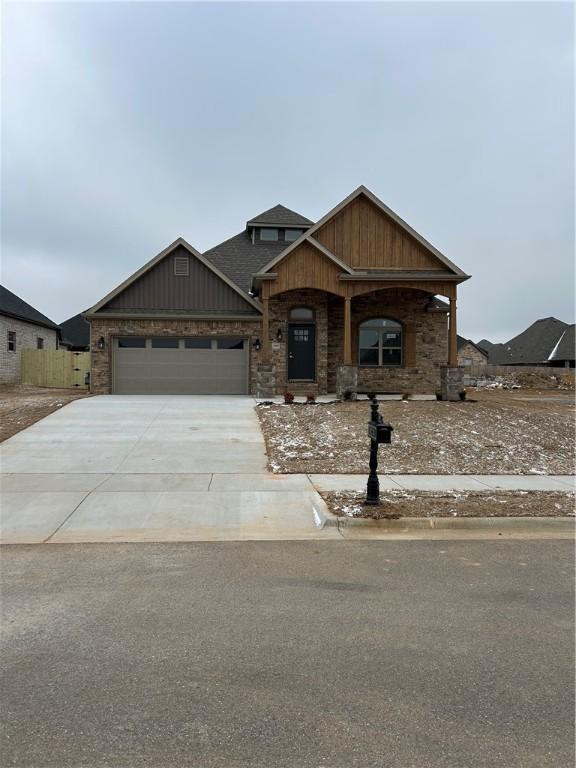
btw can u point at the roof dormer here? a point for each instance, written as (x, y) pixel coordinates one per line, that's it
(277, 225)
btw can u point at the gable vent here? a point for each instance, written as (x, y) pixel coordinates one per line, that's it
(181, 266)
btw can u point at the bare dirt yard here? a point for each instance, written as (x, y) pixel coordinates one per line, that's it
(400, 503)
(491, 432)
(21, 405)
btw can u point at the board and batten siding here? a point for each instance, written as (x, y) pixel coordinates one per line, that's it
(366, 238)
(160, 289)
(306, 267)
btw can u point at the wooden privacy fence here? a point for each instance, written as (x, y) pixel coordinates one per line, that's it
(55, 368)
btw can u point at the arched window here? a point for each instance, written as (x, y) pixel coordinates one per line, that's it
(302, 314)
(380, 342)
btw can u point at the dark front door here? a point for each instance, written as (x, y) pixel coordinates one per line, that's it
(302, 352)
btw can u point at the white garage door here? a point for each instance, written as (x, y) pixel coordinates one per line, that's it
(187, 366)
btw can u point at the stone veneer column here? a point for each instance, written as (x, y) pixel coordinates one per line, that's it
(347, 381)
(451, 382)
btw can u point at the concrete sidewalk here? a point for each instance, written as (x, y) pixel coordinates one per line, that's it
(325, 483)
(175, 469)
(65, 508)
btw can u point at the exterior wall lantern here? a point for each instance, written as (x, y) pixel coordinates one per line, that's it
(256, 344)
(279, 334)
(100, 344)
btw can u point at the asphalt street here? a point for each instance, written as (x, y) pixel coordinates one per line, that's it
(336, 654)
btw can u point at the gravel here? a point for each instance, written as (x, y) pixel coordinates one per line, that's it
(399, 503)
(21, 406)
(496, 433)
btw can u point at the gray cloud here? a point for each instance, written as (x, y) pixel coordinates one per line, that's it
(127, 125)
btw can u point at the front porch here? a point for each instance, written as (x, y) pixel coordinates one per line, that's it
(395, 340)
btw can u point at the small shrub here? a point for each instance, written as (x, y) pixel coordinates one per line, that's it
(347, 395)
(311, 398)
(288, 398)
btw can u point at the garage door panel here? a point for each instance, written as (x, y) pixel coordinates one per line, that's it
(180, 371)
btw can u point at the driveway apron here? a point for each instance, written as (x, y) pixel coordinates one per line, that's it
(149, 468)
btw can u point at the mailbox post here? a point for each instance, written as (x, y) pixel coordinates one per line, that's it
(378, 432)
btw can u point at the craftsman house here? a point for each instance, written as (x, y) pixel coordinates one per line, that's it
(346, 305)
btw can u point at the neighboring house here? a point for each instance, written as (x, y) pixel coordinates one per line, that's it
(21, 327)
(534, 346)
(470, 353)
(563, 355)
(76, 333)
(346, 304)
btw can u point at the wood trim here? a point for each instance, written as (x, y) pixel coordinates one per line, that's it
(347, 331)
(165, 316)
(265, 331)
(452, 335)
(428, 286)
(409, 360)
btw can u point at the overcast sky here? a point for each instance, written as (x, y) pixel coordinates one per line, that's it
(126, 125)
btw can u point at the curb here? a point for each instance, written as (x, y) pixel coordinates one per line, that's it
(563, 526)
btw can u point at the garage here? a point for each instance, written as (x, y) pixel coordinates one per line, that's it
(165, 365)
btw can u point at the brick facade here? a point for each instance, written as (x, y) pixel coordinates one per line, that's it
(279, 309)
(101, 372)
(27, 335)
(406, 306)
(469, 355)
(431, 332)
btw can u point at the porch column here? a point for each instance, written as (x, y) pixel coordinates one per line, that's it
(265, 331)
(452, 340)
(347, 331)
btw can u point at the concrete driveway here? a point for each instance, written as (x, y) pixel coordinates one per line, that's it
(149, 468)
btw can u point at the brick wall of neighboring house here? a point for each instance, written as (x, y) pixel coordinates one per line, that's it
(27, 335)
(279, 309)
(101, 361)
(406, 306)
(469, 355)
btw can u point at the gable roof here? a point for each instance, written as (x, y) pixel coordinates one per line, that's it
(178, 243)
(15, 307)
(280, 216)
(362, 190)
(531, 347)
(461, 342)
(76, 331)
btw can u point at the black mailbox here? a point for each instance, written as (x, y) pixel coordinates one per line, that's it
(380, 433)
